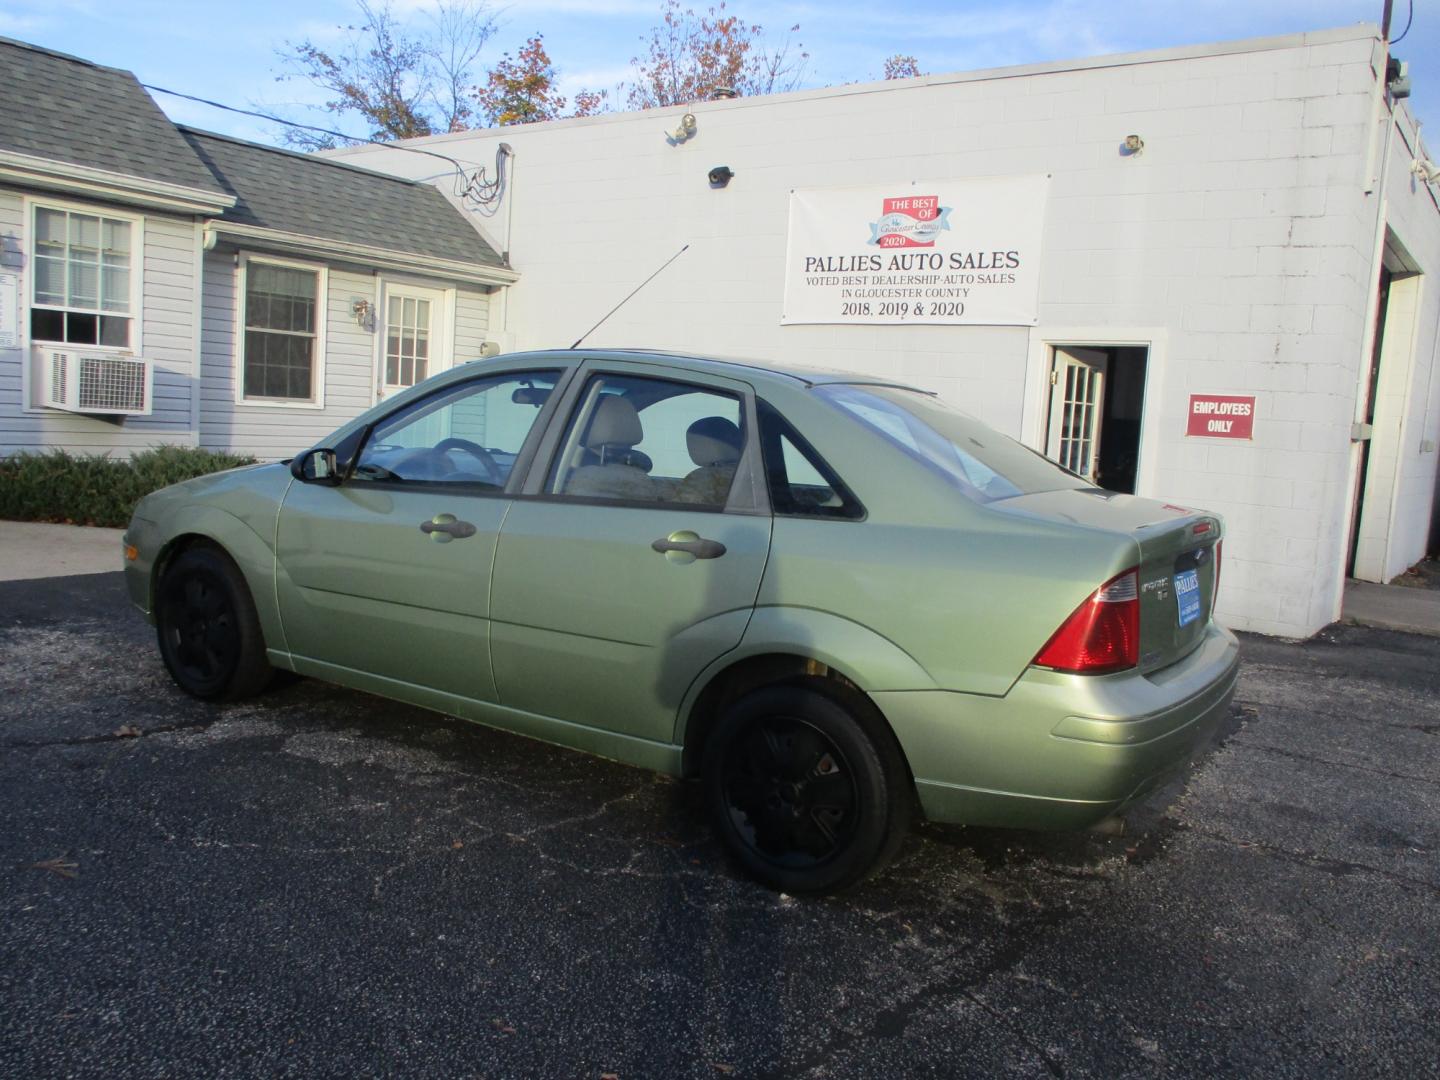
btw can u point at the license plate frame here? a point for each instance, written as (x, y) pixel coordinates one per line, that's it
(1187, 595)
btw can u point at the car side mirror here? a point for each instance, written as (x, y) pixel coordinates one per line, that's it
(316, 467)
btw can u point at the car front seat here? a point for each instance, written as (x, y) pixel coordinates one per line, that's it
(714, 444)
(610, 443)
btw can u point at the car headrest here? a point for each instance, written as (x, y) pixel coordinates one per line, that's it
(713, 440)
(615, 423)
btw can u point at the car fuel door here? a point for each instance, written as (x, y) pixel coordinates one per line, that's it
(383, 577)
(633, 561)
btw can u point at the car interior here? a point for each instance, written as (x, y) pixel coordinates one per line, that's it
(645, 440)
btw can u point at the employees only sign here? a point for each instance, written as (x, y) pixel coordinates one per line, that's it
(953, 252)
(1221, 416)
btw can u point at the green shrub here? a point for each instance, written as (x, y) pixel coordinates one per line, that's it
(94, 489)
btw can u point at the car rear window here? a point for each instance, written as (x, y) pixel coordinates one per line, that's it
(977, 459)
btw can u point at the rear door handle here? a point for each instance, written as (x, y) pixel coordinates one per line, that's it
(686, 542)
(447, 527)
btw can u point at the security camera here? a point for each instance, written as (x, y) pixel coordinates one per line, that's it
(1426, 170)
(720, 175)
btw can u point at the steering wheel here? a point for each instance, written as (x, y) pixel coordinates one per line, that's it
(475, 450)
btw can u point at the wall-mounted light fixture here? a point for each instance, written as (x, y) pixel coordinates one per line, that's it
(1132, 145)
(1397, 78)
(720, 175)
(683, 130)
(364, 312)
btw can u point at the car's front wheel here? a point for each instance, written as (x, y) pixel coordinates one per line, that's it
(210, 637)
(808, 792)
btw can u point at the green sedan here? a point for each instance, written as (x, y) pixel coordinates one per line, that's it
(833, 598)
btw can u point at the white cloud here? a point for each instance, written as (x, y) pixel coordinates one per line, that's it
(594, 78)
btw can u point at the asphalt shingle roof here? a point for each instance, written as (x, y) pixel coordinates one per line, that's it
(298, 193)
(63, 108)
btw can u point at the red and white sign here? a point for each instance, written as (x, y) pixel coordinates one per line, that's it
(1221, 416)
(939, 252)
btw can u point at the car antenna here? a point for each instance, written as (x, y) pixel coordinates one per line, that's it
(633, 291)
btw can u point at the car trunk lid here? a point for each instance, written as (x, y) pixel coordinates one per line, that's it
(1175, 553)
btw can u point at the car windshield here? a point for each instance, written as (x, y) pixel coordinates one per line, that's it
(981, 462)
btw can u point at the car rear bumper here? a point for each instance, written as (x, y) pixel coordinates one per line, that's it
(1061, 751)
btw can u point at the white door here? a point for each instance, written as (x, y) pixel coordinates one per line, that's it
(1077, 395)
(414, 345)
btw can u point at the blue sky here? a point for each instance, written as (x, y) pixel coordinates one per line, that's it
(226, 51)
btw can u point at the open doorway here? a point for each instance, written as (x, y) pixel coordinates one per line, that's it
(1097, 402)
(1385, 535)
(1372, 381)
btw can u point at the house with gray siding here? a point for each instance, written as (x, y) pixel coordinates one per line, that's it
(163, 285)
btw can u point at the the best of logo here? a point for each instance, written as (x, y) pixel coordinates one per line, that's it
(910, 221)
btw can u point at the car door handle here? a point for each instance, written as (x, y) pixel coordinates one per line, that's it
(449, 526)
(690, 544)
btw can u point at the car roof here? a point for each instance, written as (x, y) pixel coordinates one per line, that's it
(724, 365)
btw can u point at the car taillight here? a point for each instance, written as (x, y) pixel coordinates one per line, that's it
(1103, 634)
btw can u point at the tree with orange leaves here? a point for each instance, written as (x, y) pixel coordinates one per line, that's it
(690, 56)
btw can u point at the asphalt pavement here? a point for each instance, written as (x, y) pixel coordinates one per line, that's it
(321, 883)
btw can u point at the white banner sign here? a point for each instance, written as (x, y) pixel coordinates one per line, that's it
(9, 311)
(956, 252)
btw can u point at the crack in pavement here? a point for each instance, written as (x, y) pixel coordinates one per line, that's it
(1424, 729)
(1053, 1067)
(892, 1022)
(1296, 755)
(135, 734)
(1338, 867)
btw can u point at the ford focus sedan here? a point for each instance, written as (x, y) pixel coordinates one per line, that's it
(836, 600)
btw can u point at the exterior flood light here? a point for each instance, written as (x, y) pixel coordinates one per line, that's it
(683, 130)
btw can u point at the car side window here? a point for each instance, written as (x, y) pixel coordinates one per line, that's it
(465, 434)
(801, 483)
(638, 439)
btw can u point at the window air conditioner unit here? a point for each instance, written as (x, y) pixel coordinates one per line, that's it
(101, 385)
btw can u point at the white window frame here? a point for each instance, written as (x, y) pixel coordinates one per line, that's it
(137, 274)
(322, 319)
(442, 343)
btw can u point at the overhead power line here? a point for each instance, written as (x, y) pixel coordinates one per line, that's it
(473, 186)
(1408, 20)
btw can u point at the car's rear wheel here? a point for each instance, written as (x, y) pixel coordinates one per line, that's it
(210, 637)
(808, 792)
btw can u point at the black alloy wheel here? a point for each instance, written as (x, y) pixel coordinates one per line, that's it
(209, 633)
(807, 791)
(790, 791)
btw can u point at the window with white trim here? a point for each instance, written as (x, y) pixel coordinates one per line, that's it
(407, 340)
(280, 345)
(81, 292)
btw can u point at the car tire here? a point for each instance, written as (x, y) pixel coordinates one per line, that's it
(806, 789)
(210, 637)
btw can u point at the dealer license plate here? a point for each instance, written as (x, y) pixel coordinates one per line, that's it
(1187, 595)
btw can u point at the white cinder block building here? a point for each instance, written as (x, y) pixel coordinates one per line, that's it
(1233, 309)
